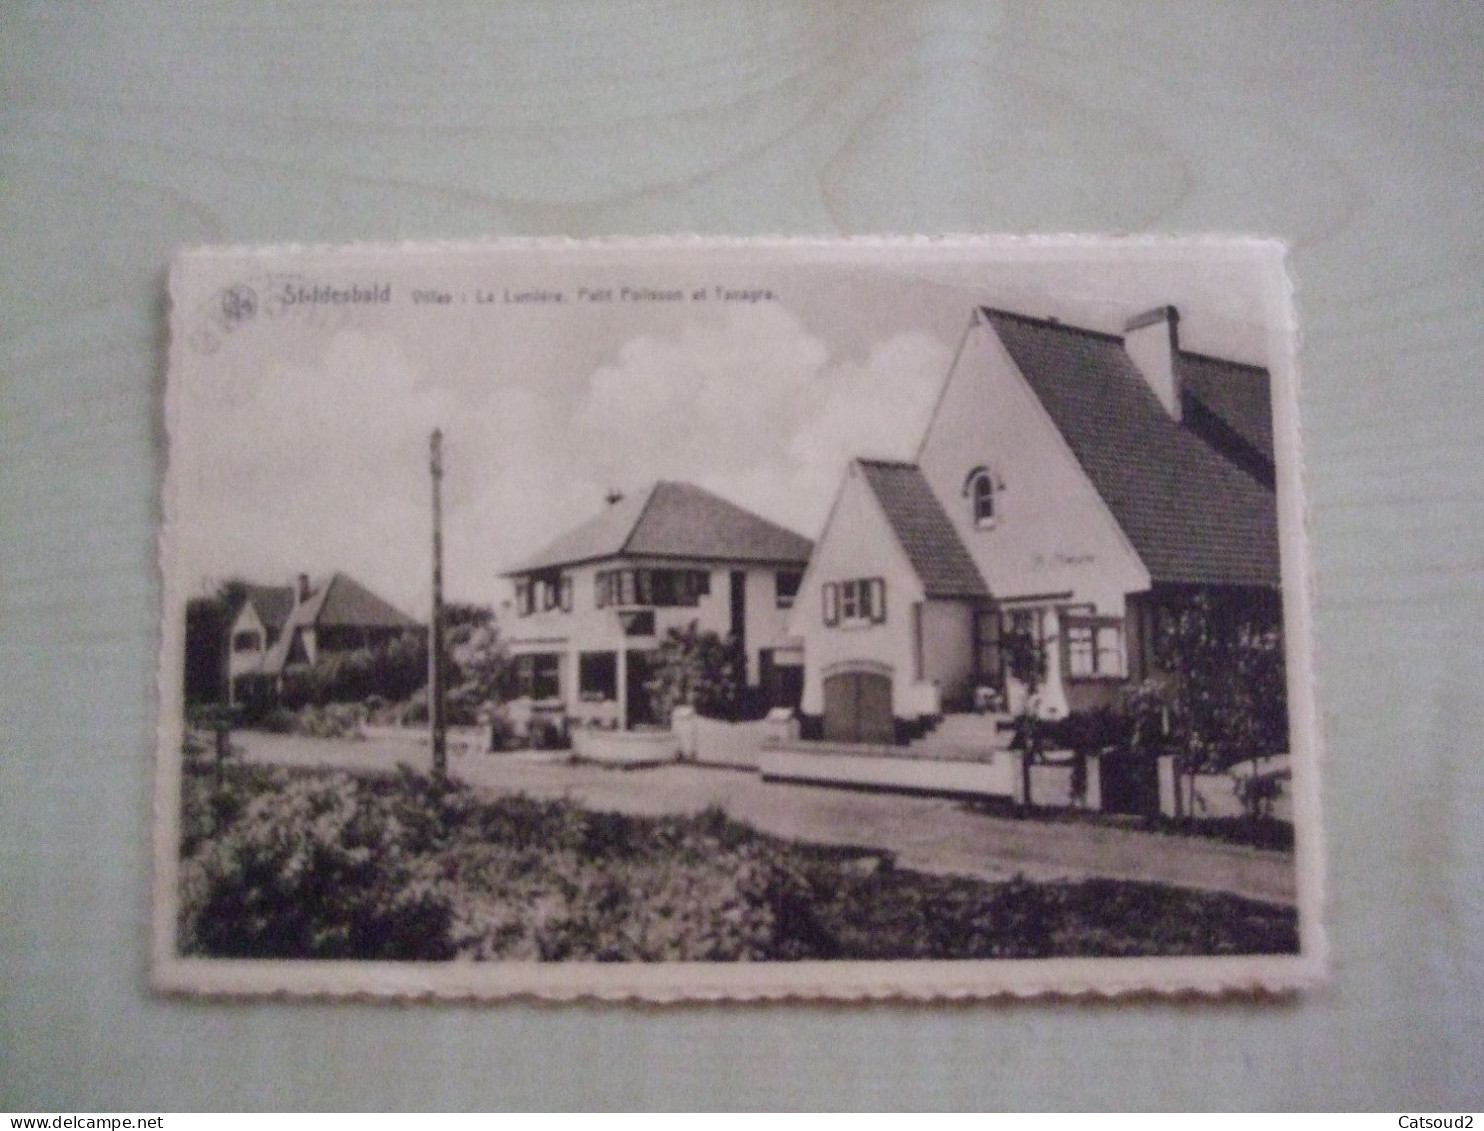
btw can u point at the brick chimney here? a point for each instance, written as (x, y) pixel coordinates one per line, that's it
(1152, 340)
(301, 591)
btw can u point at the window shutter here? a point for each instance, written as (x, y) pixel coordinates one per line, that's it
(878, 600)
(831, 603)
(566, 595)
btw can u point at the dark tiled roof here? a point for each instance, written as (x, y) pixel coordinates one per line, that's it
(602, 536)
(1239, 396)
(337, 602)
(1193, 515)
(274, 603)
(674, 520)
(346, 603)
(924, 531)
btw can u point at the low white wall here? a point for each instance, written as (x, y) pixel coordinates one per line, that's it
(712, 742)
(1051, 784)
(1215, 795)
(996, 776)
(625, 747)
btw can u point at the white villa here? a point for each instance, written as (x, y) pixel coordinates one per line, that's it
(281, 625)
(1071, 484)
(592, 606)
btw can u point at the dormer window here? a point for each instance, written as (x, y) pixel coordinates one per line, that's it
(980, 488)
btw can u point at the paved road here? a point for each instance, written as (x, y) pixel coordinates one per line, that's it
(926, 834)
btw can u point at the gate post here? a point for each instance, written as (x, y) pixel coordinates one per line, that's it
(1169, 798)
(1092, 798)
(1016, 759)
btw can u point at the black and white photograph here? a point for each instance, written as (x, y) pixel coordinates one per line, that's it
(701, 619)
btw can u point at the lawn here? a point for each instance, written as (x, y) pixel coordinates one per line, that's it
(328, 864)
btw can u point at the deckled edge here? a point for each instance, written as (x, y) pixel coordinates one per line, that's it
(1204, 978)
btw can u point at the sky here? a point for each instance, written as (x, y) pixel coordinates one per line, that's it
(299, 432)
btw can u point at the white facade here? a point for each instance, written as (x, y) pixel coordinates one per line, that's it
(571, 619)
(1052, 548)
(1050, 552)
(858, 544)
(247, 646)
(1052, 533)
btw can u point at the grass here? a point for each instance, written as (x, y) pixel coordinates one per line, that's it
(314, 863)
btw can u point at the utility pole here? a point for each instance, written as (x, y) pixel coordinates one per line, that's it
(436, 718)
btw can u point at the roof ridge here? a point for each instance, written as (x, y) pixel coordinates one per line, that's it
(1199, 356)
(1053, 323)
(654, 489)
(874, 461)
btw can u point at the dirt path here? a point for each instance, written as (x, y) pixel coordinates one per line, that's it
(926, 834)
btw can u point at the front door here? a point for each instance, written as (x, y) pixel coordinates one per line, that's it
(857, 708)
(989, 670)
(638, 704)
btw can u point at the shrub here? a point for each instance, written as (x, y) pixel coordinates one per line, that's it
(312, 864)
(700, 670)
(314, 869)
(1087, 732)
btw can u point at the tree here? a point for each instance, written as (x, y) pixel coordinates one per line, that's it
(478, 663)
(208, 622)
(1221, 697)
(697, 669)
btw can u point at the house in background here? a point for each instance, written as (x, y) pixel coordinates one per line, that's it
(593, 605)
(256, 629)
(1072, 485)
(280, 626)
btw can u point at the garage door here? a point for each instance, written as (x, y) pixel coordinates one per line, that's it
(857, 708)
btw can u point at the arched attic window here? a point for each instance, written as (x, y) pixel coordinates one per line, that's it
(980, 488)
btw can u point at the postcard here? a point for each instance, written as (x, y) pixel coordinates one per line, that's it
(699, 619)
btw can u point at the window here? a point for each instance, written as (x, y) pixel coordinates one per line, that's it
(542, 593)
(662, 588)
(245, 642)
(1094, 647)
(524, 598)
(556, 593)
(597, 676)
(979, 488)
(861, 600)
(1028, 623)
(786, 585)
(538, 675)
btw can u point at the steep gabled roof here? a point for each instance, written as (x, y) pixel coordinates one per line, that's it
(337, 602)
(1193, 515)
(1230, 405)
(922, 528)
(345, 603)
(674, 520)
(273, 603)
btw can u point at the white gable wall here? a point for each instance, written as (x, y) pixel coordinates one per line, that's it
(240, 663)
(1052, 533)
(1054, 542)
(859, 543)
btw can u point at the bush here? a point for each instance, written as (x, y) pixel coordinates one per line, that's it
(314, 868)
(389, 671)
(700, 670)
(1088, 732)
(328, 865)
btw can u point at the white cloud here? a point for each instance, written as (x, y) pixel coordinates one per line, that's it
(324, 465)
(754, 407)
